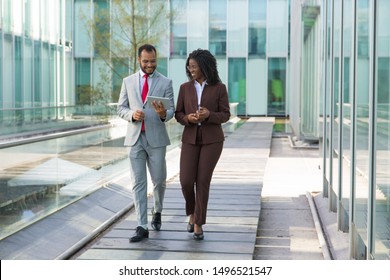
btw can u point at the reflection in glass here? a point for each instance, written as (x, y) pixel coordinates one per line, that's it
(237, 83)
(277, 27)
(362, 123)
(83, 77)
(41, 177)
(257, 28)
(7, 16)
(7, 78)
(18, 73)
(277, 86)
(37, 74)
(382, 143)
(82, 45)
(179, 28)
(328, 94)
(1, 74)
(198, 25)
(346, 114)
(237, 37)
(121, 66)
(46, 94)
(336, 105)
(217, 23)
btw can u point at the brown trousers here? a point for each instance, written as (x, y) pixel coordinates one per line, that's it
(197, 163)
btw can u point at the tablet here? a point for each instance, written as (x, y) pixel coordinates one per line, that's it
(164, 100)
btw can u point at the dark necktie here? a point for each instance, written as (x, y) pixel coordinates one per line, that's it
(145, 90)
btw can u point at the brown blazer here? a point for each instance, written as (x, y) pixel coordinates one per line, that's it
(215, 99)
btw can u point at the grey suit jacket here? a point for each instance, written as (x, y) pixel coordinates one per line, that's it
(130, 100)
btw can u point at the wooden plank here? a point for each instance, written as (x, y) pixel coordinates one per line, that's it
(101, 254)
(228, 228)
(184, 235)
(189, 245)
(212, 212)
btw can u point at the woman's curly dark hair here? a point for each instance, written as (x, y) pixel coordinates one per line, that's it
(207, 64)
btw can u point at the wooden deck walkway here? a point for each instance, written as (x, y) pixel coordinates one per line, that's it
(233, 212)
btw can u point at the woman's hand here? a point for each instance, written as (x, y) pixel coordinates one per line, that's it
(193, 118)
(203, 113)
(200, 115)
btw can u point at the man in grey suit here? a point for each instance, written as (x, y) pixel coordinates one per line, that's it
(146, 135)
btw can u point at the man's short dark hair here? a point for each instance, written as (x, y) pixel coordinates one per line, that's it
(146, 47)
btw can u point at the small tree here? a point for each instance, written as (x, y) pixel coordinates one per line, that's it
(118, 31)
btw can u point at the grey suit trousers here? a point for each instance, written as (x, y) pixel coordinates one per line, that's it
(141, 154)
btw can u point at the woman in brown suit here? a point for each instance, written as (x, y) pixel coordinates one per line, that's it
(202, 107)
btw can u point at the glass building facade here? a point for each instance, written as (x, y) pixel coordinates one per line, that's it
(356, 122)
(36, 67)
(325, 64)
(256, 78)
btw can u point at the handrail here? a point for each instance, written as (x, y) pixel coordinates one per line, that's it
(50, 136)
(40, 108)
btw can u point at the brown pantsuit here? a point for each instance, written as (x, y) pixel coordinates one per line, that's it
(197, 163)
(201, 145)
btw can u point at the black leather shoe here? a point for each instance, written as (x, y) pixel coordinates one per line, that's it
(156, 220)
(140, 233)
(190, 227)
(199, 236)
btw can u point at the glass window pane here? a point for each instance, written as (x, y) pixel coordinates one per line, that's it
(35, 17)
(53, 76)
(328, 94)
(37, 74)
(82, 43)
(28, 73)
(237, 83)
(179, 28)
(162, 66)
(61, 81)
(7, 15)
(18, 73)
(362, 120)
(277, 86)
(336, 105)
(198, 25)
(7, 79)
(45, 74)
(346, 127)
(1, 69)
(237, 28)
(17, 19)
(1, 19)
(45, 24)
(53, 22)
(257, 87)
(68, 14)
(217, 31)
(70, 98)
(121, 66)
(83, 80)
(102, 28)
(277, 20)
(382, 195)
(257, 29)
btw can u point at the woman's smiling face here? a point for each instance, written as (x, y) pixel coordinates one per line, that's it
(195, 71)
